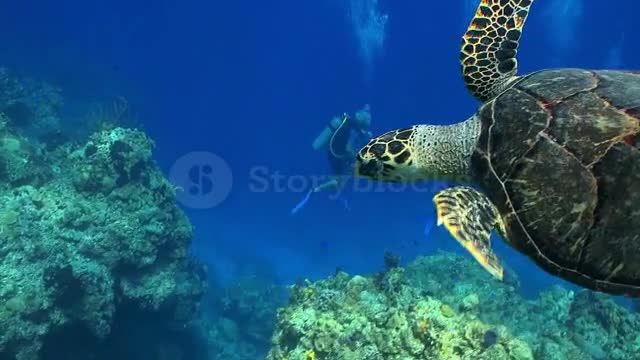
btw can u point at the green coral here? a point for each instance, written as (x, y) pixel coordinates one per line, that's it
(88, 232)
(464, 314)
(76, 250)
(21, 161)
(373, 322)
(559, 324)
(240, 316)
(29, 105)
(112, 159)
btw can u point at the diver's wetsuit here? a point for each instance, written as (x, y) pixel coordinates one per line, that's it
(341, 157)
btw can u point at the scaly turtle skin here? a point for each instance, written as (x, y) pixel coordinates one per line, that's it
(554, 154)
(557, 156)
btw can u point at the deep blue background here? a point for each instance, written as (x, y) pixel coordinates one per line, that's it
(255, 81)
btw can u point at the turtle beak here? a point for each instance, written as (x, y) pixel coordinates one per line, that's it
(371, 168)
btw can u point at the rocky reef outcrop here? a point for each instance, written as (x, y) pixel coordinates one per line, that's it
(92, 244)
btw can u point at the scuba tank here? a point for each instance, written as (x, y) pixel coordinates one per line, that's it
(329, 131)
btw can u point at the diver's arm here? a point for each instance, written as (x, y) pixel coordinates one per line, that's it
(357, 140)
(362, 135)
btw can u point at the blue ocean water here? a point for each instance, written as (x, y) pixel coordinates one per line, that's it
(241, 88)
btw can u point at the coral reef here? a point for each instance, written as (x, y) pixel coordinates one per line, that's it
(91, 238)
(446, 307)
(559, 324)
(29, 105)
(240, 317)
(384, 317)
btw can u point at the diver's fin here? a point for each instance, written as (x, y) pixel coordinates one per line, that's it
(470, 217)
(302, 203)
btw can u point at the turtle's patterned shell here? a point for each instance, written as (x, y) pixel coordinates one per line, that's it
(558, 156)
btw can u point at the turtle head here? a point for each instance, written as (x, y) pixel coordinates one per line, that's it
(421, 152)
(389, 157)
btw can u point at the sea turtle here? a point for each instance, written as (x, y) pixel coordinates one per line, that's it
(552, 154)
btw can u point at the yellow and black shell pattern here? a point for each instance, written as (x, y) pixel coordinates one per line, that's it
(559, 156)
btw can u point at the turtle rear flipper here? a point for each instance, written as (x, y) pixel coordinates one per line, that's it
(470, 217)
(490, 45)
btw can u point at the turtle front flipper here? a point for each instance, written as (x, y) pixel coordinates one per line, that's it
(489, 47)
(470, 217)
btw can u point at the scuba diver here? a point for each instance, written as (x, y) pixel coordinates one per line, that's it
(340, 137)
